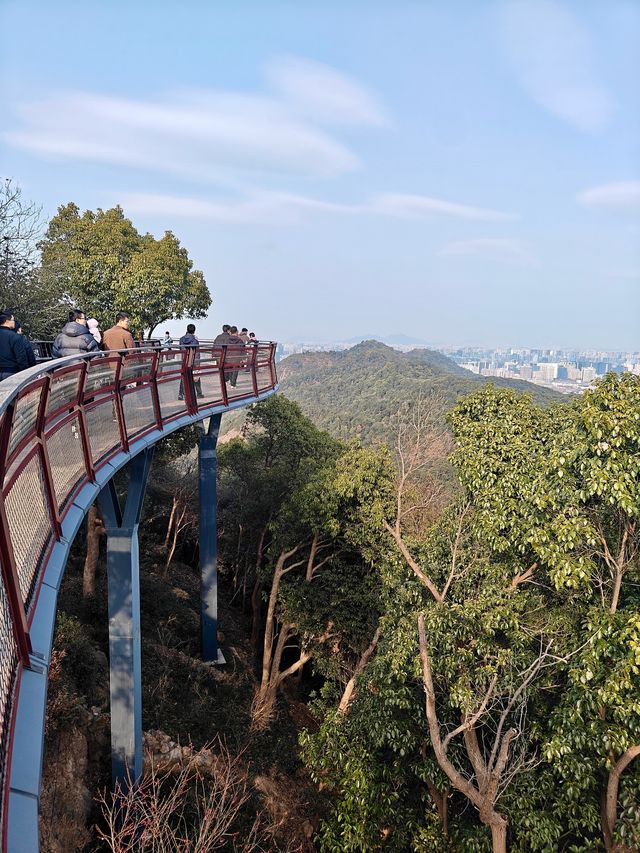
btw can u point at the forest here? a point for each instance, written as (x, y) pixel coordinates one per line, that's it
(429, 607)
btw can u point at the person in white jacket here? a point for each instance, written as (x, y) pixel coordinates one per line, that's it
(92, 325)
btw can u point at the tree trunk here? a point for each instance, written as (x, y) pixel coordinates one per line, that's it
(95, 529)
(174, 506)
(499, 835)
(256, 613)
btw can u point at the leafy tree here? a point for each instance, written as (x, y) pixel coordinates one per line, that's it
(100, 261)
(22, 290)
(518, 692)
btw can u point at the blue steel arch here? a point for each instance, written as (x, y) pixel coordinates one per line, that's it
(22, 768)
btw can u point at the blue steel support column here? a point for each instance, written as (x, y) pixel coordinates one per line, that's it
(207, 465)
(125, 662)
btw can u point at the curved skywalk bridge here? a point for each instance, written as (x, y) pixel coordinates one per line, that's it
(66, 428)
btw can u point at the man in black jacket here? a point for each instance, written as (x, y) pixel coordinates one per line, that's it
(13, 352)
(75, 338)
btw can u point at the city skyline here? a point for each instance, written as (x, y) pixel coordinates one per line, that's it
(466, 173)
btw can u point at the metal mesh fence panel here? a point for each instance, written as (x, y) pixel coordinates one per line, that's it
(29, 523)
(263, 376)
(8, 669)
(102, 426)
(170, 402)
(208, 384)
(66, 459)
(243, 383)
(100, 372)
(170, 362)
(138, 410)
(135, 367)
(24, 417)
(62, 389)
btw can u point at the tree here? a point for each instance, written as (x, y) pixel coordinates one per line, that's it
(562, 489)
(22, 290)
(100, 261)
(525, 659)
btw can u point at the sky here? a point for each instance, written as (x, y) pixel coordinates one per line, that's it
(467, 173)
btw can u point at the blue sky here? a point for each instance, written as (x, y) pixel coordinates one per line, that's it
(464, 172)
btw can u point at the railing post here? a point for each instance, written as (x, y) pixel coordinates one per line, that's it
(125, 666)
(118, 407)
(223, 381)
(155, 397)
(207, 469)
(82, 421)
(43, 453)
(254, 377)
(272, 365)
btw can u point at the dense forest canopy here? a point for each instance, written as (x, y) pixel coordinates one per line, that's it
(479, 670)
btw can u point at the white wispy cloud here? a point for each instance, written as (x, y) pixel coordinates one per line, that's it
(550, 51)
(280, 207)
(234, 133)
(499, 248)
(622, 195)
(323, 94)
(412, 206)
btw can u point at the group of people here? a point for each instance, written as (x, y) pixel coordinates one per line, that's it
(230, 336)
(81, 335)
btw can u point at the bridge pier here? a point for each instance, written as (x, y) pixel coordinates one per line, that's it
(207, 469)
(125, 661)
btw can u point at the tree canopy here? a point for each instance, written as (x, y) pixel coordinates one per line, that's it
(99, 261)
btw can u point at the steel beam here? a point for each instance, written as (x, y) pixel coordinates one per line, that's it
(125, 659)
(207, 468)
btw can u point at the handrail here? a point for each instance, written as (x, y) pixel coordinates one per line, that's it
(66, 425)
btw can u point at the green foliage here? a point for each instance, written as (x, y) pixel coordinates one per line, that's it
(100, 262)
(543, 569)
(356, 393)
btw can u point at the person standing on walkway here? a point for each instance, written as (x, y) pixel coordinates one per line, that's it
(235, 357)
(31, 356)
(244, 334)
(189, 341)
(119, 337)
(75, 338)
(13, 352)
(222, 339)
(167, 341)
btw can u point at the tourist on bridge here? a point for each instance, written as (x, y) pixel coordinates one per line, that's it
(75, 338)
(189, 341)
(31, 356)
(223, 339)
(252, 338)
(235, 357)
(92, 325)
(119, 337)
(167, 340)
(244, 334)
(13, 350)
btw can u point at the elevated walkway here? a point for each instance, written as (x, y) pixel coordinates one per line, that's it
(66, 428)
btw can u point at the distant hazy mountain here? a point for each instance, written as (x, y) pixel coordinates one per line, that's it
(398, 339)
(355, 392)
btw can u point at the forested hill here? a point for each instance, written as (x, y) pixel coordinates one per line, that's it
(355, 392)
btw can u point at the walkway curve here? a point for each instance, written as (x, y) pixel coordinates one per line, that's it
(65, 429)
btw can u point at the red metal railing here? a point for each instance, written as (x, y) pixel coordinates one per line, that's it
(58, 428)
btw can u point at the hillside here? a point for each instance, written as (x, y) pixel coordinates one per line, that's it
(356, 391)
